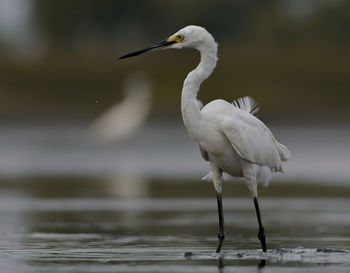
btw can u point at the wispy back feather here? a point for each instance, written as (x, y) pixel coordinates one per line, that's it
(247, 104)
(225, 177)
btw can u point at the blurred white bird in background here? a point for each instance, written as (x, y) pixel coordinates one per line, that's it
(229, 136)
(121, 121)
(127, 116)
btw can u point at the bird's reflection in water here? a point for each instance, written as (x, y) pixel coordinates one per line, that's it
(262, 264)
(221, 262)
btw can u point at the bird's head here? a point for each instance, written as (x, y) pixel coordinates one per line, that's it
(187, 37)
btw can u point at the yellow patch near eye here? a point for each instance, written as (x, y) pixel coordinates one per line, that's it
(177, 38)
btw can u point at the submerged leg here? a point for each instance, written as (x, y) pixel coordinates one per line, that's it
(261, 234)
(217, 174)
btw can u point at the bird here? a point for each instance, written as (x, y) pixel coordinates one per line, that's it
(126, 117)
(229, 135)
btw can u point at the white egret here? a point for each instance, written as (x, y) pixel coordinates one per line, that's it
(129, 115)
(229, 136)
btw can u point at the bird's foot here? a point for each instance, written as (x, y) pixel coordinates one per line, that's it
(221, 238)
(262, 239)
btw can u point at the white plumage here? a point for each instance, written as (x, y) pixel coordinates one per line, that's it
(247, 104)
(241, 128)
(229, 136)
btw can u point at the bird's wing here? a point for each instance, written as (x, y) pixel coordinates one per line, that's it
(251, 139)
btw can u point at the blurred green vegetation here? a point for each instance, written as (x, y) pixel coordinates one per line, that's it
(70, 187)
(295, 66)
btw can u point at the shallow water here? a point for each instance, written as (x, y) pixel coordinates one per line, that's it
(92, 225)
(319, 153)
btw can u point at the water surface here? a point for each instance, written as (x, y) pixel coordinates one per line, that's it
(71, 224)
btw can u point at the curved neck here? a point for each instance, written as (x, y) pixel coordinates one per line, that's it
(189, 105)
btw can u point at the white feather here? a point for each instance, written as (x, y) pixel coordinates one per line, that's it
(225, 177)
(263, 177)
(208, 177)
(247, 104)
(283, 151)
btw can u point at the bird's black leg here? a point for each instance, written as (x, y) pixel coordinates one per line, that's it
(221, 234)
(261, 234)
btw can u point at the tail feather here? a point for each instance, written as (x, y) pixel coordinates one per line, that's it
(283, 151)
(247, 104)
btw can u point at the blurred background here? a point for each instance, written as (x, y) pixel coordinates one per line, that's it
(58, 59)
(82, 132)
(66, 100)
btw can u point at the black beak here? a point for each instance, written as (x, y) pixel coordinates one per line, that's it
(160, 44)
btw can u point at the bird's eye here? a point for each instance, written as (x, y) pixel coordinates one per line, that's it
(180, 37)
